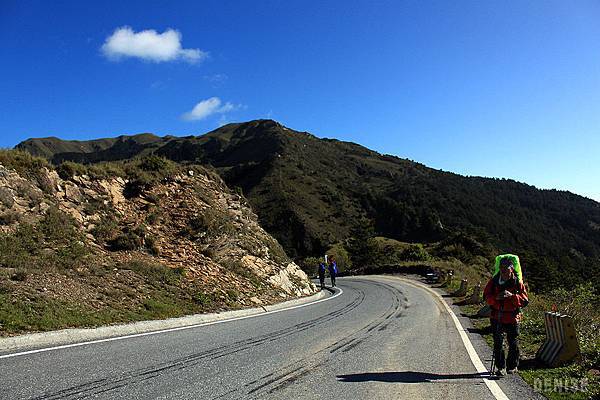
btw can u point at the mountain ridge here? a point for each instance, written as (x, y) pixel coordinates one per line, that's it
(311, 193)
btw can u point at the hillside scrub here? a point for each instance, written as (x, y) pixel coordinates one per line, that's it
(52, 242)
(82, 254)
(27, 166)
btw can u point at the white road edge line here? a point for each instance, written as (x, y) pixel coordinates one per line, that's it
(477, 363)
(179, 328)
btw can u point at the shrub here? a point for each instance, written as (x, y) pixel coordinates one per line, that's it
(54, 241)
(146, 172)
(68, 169)
(106, 229)
(20, 275)
(138, 182)
(58, 227)
(415, 252)
(309, 265)
(24, 163)
(18, 250)
(155, 272)
(6, 197)
(126, 241)
(9, 217)
(71, 255)
(232, 294)
(581, 304)
(212, 222)
(201, 223)
(341, 257)
(208, 252)
(153, 217)
(151, 245)
(203, 299)
(157, 164)
(106, 170)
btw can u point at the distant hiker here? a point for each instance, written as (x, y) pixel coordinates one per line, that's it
(322, 274)
(332, 270)
(506, 295)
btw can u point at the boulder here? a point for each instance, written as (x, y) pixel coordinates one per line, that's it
(73, 193)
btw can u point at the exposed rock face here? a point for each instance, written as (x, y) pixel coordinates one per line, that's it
(289, 278)
(191, 221)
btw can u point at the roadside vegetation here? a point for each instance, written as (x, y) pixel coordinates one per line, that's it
(81, 262)
(51, 279)
(565, 382)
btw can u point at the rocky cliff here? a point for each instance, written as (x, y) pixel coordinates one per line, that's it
(124, 250)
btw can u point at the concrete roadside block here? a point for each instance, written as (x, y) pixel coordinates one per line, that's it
(560, 346)
(541, 353)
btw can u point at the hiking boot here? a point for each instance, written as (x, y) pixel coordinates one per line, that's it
(513, 370)
(500, 372)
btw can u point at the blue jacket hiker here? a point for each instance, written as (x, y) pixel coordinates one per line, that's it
(322, 274)
(332, 271)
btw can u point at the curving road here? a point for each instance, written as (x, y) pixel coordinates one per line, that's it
(380, 339)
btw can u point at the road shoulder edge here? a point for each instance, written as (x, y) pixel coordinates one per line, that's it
(510, 386)
(43, 341)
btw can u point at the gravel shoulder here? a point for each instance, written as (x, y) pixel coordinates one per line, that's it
(512, 385)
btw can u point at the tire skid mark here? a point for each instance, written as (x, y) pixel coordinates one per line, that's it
(275, 379)
(290, 380)
(306, 365)
(352, 345)
(108, 384)
(302, 367)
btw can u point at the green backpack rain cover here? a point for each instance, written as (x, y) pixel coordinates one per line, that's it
(515, 261)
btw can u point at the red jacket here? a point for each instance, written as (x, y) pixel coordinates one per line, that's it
(506, 311)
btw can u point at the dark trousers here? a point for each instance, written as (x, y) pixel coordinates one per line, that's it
(512, 335)
(332, 280)
(322, 280)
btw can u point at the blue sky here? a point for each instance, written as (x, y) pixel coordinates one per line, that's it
(488, 88)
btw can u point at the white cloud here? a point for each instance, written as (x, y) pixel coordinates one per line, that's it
(149, 45)
(208, 107)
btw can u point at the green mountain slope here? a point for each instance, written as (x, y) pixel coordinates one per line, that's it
(310, 193)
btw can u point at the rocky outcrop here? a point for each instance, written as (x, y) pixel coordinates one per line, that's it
(190, 221)
(292, 279)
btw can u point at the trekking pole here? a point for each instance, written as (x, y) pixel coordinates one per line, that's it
(493, 364)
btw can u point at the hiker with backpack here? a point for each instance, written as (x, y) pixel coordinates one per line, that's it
(332, 270)
(506, 295)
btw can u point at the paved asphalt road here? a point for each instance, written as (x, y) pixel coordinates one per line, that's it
(380, 339)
